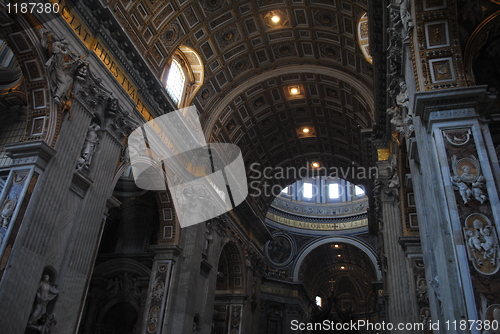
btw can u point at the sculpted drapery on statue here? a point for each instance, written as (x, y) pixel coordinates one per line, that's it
(61, 67)
(39, 319)
(89, 147)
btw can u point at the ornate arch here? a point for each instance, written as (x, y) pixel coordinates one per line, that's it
(348, 240)
(219, 107)
(43, 119)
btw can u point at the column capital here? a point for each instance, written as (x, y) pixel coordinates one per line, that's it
(163, 252)
(37, 152)
(453, 104)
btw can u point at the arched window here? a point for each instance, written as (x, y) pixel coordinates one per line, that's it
(184, 76)
(175, 82)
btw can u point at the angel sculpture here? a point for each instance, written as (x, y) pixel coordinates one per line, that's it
(477, 189)
(467, 179)
(464, 190)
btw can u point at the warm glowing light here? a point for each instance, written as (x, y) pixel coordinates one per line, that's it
(336, 246)
(275, 18)
(294, 90)
(315, 164)
(306, 130)
(342, 267)
(339, 255)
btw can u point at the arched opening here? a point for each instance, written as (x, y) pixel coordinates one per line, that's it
(229, 294)
(343, 276)
(13, 103)
(184, 76)
(120, 318)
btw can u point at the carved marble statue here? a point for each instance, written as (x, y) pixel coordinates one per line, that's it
(467, 179)
(208, 235)
(89, 147)
(482, 243)
(396, 118)
(464, 190)
(422, 291)
(402, 98)
(82, 72)
(46, 292)
(490, 244)
(6, 212)
(408, 122)
(60, 69)
(436, 287)
(425, 317)
(405, 16)
(474, 243)
(477, 189)
(113, 287)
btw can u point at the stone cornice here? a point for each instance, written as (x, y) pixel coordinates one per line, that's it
(103, 24)
(38, 153)
(453, 104)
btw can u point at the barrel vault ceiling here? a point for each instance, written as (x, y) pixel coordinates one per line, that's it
(251, 63)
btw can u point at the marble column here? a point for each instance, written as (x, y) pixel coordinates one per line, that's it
(448, 134)
(401, 303)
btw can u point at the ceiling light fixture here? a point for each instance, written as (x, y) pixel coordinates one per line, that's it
(275, 18)
(342, 267)
(315, 164)
(336, 246)
(294, 90)
(306, 130)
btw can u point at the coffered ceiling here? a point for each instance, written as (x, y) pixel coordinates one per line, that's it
(250, 65)
(341, 268)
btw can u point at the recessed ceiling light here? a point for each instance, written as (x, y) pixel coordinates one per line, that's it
(275, 18)
(342, 267)
(336, 246)
(294, 90)
(339, 255)
(306, 130)
(315, 164)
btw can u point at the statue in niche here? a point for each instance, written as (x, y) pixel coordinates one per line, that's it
(39, 319)
(89, 147)
(208, 235)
